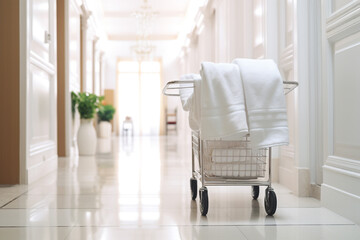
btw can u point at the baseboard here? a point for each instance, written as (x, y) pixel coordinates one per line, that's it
(340, 191)
(315, 191)
(296, 179)
(41, 169)
(341, 202)
(304, 186)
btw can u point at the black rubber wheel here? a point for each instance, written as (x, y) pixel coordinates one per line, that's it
(193, 187)
(270, 202)
(204, 201)
(255, 192)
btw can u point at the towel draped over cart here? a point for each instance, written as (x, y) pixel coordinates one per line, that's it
(231, 100)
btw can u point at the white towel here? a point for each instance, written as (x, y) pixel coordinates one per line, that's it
(190, 99)
(265, 102)
(222, 102)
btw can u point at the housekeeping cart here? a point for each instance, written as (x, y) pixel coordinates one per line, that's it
(228, 163)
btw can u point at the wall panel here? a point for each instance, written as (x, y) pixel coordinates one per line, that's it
(41, 85)
(341, 41)
(346, 95)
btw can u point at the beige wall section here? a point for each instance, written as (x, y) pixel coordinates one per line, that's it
(109, 99)
(9, 92)
(61, 130)
(109, 96)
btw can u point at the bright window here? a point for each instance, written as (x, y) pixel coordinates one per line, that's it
(139, 95)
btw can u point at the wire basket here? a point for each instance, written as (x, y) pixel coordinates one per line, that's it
(233, 159)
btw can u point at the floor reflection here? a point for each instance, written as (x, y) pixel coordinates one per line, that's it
(104, 145)
(138, 188)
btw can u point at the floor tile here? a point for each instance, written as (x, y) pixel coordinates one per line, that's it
(165, 233)
(211, 233)
(317, 232)
(34, 233)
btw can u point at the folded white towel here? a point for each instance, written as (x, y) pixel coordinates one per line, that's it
(265, 102)
(222, 102)
(190, 99)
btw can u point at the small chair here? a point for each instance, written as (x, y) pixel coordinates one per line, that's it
(127, 126)
(171, 120)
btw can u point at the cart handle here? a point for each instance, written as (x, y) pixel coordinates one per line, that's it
(182, 84)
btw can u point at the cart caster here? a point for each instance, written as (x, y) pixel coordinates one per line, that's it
(270, 201)
(255, 192)
(193, 187)
(204, 201)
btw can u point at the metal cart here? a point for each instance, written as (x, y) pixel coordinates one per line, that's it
(228, 163)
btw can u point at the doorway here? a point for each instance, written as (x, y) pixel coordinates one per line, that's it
(139, 95)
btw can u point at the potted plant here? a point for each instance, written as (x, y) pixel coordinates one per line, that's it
(87, 103)
(105, 115)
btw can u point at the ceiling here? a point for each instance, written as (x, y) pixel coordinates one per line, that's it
(120, 23)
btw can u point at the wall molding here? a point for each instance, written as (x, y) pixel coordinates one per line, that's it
(41, 147)
(341, 176)
(343, 22)
(287, 58)
(342, 165)
(39, 62)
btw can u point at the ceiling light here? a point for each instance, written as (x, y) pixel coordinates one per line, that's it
(144, 15)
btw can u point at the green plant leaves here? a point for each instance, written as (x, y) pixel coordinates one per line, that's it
(106, 112)
(87, 103)
(74, 101)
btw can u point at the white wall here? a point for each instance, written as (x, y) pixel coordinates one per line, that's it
(38, 90)
(340, 82)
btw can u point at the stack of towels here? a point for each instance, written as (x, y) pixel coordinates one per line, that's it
(231, 100)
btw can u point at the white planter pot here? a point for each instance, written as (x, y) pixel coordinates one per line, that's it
(104, 129)
(86, 138)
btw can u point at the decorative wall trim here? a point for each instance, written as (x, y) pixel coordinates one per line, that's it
(343, 163)
(343, 22)
(287, 58)
(39, 62)
(41, 147)
(340, 191)
(344, 166)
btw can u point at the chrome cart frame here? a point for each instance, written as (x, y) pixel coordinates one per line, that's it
(228, 163)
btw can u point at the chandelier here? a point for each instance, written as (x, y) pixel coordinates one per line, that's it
(143, 50)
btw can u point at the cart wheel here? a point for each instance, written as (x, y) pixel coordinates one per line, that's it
(204, 201)
(255, 192)
(193, 187)
(270, 202)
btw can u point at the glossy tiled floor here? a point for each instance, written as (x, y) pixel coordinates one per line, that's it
(139, 189)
